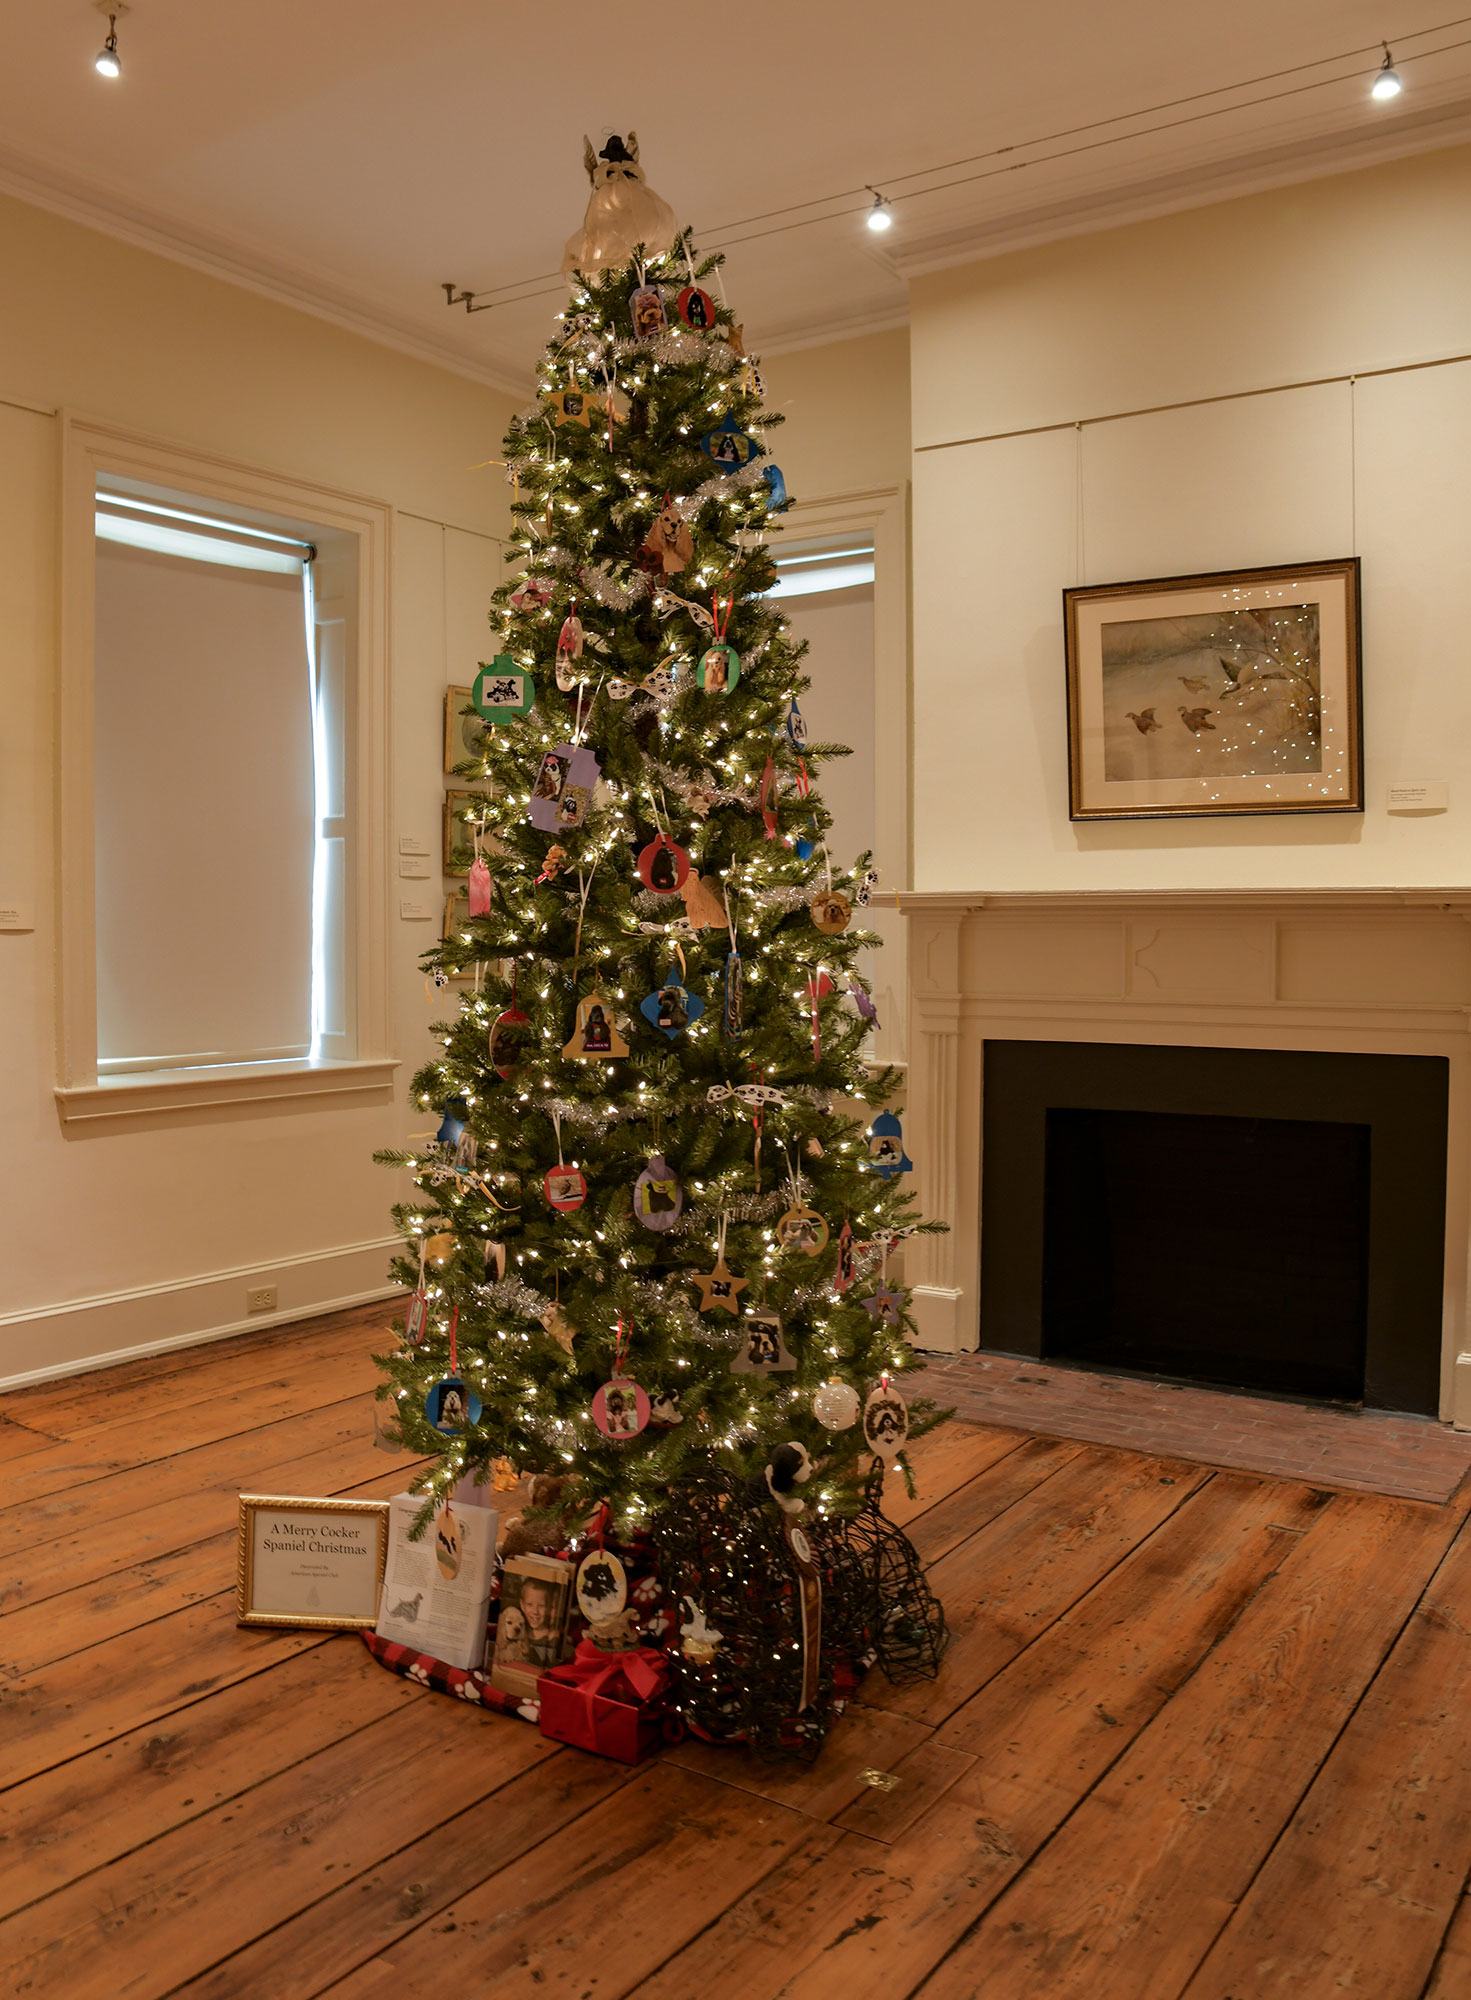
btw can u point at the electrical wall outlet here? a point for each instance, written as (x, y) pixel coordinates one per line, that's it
(261, 1300)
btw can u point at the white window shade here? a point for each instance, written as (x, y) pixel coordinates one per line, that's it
(205, 811)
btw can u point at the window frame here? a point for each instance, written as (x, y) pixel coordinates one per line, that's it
(881, 515)
(91, 450)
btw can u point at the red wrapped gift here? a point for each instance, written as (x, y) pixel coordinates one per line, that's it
(609, 1703)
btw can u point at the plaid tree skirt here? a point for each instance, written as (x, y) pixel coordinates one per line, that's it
(467, 1683)
(470, 1684)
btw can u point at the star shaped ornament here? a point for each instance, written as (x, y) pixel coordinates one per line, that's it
(883, 1305)
(719, 1290)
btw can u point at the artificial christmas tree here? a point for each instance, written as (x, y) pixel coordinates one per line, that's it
(649, 1245)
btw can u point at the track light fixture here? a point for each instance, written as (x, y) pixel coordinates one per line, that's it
(881, 215)
(1387, 83)
(107, 61)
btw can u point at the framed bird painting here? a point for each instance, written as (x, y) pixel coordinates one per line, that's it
(1204, 696)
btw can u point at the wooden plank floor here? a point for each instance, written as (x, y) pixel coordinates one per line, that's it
(1200, 1735)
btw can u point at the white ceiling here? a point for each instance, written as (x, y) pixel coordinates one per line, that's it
(351, 155)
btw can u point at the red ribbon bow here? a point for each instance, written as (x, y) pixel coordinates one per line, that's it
(641, 1670)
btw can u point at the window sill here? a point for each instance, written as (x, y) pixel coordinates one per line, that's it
(146, 1093)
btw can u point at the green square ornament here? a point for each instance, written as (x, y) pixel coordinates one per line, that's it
(503, 690)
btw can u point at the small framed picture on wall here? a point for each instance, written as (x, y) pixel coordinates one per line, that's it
(456, 914)
(465, 736)
(1203, 696)
(461, 810)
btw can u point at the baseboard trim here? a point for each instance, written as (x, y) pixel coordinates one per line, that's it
(78, 1335)
(86, 1363)
(936, 1310)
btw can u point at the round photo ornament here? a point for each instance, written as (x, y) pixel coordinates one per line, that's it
(620, 1409)
(696, 308)
(802, 1228)
(451, 1405)
(564, 1187)
(831, 912)
(663, 866)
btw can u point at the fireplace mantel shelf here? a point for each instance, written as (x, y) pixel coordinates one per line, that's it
(956, 902)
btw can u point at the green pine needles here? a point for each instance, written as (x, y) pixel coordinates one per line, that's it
(659, 550)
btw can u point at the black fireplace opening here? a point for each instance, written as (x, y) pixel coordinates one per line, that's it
(1225, 1250)
(1265, 1220)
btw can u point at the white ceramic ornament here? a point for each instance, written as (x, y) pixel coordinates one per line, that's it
(885, 1420)
(835, 1406)
(602, 1585)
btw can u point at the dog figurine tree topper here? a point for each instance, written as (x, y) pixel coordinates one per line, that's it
(623, 211)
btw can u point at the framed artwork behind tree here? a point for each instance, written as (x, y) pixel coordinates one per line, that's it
(1204, 696)
(464, 735)
(459, 837)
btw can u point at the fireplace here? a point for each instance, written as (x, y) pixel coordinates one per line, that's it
(1267, 1220)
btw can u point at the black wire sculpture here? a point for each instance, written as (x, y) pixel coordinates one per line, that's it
(888, 1609)
(733, 1576)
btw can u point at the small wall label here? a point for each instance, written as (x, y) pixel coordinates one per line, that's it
(1428, 796)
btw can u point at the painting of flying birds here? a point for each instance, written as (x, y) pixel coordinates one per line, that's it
(1236, 693)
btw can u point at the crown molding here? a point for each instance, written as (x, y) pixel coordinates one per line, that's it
(237, 262)
(792, 338)
(1199, 187)
(241, 264)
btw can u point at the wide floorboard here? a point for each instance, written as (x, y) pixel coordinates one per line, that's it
(1200, 1735)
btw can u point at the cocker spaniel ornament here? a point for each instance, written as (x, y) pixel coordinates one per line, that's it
(622, 211)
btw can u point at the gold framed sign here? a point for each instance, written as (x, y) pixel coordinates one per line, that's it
(1202, 696)
(315, 1563)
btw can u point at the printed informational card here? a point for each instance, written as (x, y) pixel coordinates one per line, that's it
(314, 1563)
(436, 1591)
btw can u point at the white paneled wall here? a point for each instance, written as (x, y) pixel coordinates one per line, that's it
(1379, 468)
(443, 577)
(1156, 401)
(117, 1241)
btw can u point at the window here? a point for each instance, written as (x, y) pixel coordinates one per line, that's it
(826, 594)
(223, 783)
(811, 572)
(217, 754)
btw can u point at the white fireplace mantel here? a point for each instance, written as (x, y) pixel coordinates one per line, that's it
(1358, 971)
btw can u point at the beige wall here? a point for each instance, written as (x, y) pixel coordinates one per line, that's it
(1015, 361)
(132, 1237)
(847, 415)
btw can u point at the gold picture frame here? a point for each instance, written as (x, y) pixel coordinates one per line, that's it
(465, 736)
(459, 847)
(316, 1564)
(1238, 691)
